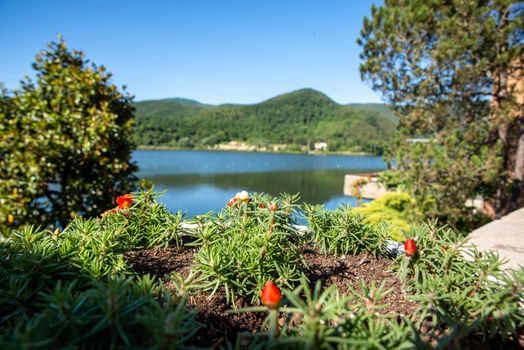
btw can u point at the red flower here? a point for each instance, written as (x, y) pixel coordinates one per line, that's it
(410, 248)
(232, 201)
(271, 295)
(124, 201)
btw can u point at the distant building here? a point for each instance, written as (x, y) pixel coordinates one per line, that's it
(418, 140)
(320, 146)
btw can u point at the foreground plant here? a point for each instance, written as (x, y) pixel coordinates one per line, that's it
(462, 296)
(322, 318)
(116, 313)
(248, 244)
(342, 231)
(462, 291)
(75, 289)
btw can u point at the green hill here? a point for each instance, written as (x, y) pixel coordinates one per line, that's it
(380, 108)
(296, 119)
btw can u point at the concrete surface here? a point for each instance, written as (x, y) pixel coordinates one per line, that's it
(505, 236)
(371, 190)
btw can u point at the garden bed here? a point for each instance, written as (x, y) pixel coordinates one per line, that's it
(345, 271)
(139, 277)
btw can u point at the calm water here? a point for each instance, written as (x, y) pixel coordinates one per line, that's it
(200, 181)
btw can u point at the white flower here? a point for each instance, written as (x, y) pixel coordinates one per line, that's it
(243, 196)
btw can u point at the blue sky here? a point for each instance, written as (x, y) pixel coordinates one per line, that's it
(211, 51)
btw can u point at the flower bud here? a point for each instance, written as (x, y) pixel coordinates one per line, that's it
(271, 295)
(410, 248)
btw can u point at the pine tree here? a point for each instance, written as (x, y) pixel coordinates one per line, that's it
(453, 71)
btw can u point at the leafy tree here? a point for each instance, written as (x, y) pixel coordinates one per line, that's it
(453, 71)
(297, 119)
(65, 145)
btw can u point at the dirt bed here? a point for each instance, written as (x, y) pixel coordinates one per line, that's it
(344, 271)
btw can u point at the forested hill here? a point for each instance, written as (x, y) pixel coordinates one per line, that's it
(295, 120)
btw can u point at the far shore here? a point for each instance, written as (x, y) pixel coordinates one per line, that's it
(243, 148)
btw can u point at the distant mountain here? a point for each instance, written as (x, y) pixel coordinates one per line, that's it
(297, 119)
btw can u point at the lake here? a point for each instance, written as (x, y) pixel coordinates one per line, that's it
(196, 182)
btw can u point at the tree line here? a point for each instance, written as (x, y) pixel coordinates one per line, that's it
(300, 118)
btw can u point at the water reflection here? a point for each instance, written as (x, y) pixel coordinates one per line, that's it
(315, 186)
(198, 182)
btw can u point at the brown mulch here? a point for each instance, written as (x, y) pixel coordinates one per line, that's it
(219, 325)
(160, 262)
(350, 270)
(344, 271)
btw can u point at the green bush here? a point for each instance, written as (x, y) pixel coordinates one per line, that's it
(248, 244)
(65, 142)
(329, 320)
(74, 289)
(114, 314)
(396, 209)
(343, 231)
(68, 289)
(457, 286)
(458, 297)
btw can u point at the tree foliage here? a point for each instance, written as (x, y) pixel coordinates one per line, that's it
(453, 70)
(298, 118)
(65, 143)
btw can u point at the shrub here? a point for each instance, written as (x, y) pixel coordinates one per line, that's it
(248, 244)
(459, 288)
(396, 209)
(116, 313)
(323, 318)
(69, 289)
(74, 289)
(459, 298)
(65, 145)
(343, 231)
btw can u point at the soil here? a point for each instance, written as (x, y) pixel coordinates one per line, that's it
(349, 271)
(344, 271)
(160, 262)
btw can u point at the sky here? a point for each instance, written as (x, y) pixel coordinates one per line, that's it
(215, 51)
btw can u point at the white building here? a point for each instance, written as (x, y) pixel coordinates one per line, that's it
(320, 146)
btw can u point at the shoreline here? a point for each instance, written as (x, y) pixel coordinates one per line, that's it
(254, 150)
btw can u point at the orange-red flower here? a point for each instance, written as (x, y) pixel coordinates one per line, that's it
(271, 295)
(124, 201)
(232, 201)
(410, 248)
